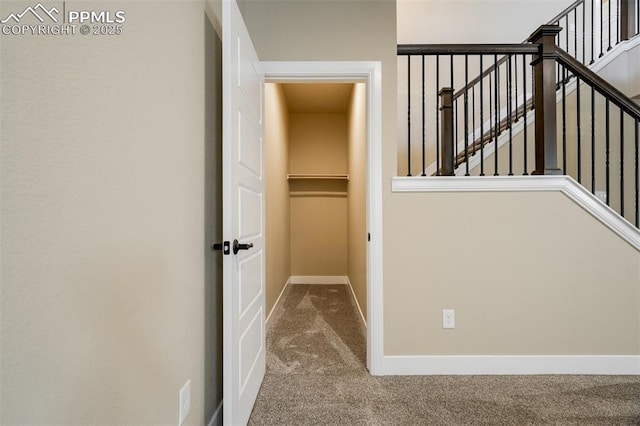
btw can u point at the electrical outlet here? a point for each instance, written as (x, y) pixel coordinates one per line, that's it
(185, 402)
(448, 318)
(602, 196)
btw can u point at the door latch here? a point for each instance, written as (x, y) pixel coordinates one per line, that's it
(224, 246)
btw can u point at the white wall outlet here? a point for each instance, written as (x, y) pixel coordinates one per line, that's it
(602, 196)
(448, 318)
(185, 402)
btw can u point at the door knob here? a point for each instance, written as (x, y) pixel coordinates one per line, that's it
(237, 246)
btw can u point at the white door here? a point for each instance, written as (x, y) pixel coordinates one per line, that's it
(243, 219)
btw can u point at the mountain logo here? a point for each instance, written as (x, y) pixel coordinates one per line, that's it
(39, 11)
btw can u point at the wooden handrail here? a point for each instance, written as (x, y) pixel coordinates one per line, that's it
(467, 49)
(598, 83)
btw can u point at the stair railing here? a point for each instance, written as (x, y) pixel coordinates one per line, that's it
(586, 129)
(589, 29)
(598, 138)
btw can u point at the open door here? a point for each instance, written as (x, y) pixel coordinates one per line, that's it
(243, 219)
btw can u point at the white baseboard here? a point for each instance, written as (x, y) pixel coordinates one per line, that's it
(512, 365)
(318, 279)
(216, 419)
(273, 308)
(355, 299)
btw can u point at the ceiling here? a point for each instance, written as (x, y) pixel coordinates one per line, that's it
(318, 97)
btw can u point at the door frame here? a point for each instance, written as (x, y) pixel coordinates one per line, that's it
(369, 72)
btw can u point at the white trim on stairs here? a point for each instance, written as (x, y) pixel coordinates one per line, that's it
(564, 184)
(497, 364)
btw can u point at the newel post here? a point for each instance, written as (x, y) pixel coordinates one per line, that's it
(446, 123)
(627, 19)
(544, 71)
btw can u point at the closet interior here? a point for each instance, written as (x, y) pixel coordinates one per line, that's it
(315, 167)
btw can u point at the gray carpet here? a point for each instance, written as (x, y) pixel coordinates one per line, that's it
(316, 375)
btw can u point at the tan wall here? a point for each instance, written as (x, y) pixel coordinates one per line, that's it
(540, 277)
(276, 141)
(356, 200)
(102, 193)
(318, 144)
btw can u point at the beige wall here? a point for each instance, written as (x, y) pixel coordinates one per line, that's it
(102, 193)
(540, 277)
(486, 21)
(356, 200)
(318, 143)
(276, 141)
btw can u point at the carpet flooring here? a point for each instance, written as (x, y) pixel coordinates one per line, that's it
(316, 375)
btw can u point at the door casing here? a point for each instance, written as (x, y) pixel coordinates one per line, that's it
(369, 72)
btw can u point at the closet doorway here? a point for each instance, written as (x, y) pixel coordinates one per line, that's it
(316, 187)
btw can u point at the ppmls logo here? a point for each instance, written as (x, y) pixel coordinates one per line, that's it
(16, 17)
(41, 20)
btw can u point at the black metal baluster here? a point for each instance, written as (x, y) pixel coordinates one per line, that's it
(609, 30)
(617, 21)
(437, 112)
(482, 116)
(408, 115)
(607, 142)
(455, 117)
(564, 121)
(637, 148)
(593, 140)
(473, 119)
(593, 33)
(515, 73)
(578, 129)
(524, 111)
(455, 132)
(497, 116)
(509, 108)
(621, 162)
(424, 152)
(466, 114)
(601, 29)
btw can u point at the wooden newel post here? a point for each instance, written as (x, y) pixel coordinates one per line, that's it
(544, 71)
(446, 123)
(627, 19)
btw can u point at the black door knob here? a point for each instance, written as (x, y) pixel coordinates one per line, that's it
(237, 246)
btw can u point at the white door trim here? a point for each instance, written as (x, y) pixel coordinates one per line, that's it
(371, 73)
